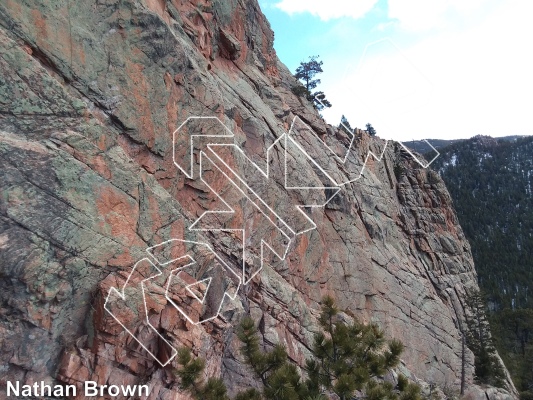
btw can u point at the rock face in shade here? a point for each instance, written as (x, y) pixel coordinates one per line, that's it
(90, 94)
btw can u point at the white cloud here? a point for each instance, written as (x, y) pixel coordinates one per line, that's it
(421, 15)
(382, 88)
(481, 81)
(327, 10)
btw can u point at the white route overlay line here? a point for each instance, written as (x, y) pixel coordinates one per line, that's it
(359, 68)
(189, 174)
(122, 295)
(266, 173)
(231, 210)
(370, 153)
(188, 288)
(343, 160)
(269, 211)
(176, 271)
(422, 164)
(286, 137)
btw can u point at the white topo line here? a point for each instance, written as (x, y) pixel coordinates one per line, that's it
(115, 294)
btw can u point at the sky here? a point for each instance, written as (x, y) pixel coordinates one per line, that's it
(415, 69)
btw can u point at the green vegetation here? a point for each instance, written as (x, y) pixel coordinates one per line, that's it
(513, 330)
(347, 358)
(306, 73)
(488, 369)
(370, 129)
(491, 184)
(345, 125)
(190, 373)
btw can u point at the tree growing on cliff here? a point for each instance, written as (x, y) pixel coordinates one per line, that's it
(488, 368)
(345, 125)
(306, 73)
(190, 373)
(347, 358)
(370, 129)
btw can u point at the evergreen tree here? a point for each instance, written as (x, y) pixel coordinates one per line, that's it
(370, 129)
(488, 368)
(345, 125)
(520, 324)
(190, 373)
(514, 331)
(306, 73)
(320, 101)
(280, 378)
(491, 184)
(347, 358)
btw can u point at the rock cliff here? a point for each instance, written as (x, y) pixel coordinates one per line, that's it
(90, 96)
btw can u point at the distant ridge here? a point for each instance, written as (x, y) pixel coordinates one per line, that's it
(420, 146)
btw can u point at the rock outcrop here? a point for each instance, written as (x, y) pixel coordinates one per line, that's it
(90, 95)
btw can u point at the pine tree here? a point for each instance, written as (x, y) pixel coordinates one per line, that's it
(190, 373)
(347, 358)
(345, 125)
(520, 323)
(370, 129)
(306, 73)
(280, 379)
(488, 368)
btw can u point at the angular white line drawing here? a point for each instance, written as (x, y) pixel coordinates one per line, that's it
(189, 261)
(210, 159)
(189, 173)
(421, 162)
(416, 94)
(120, 300)
(194, 276)
(189, 287)
(128, 298)
(343, 159)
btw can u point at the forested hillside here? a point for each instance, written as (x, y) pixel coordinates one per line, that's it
(421, 146)
(490, 181)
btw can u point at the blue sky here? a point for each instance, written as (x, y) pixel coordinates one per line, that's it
(416, 68)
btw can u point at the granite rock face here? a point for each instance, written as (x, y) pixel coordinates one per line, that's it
(90, 95)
